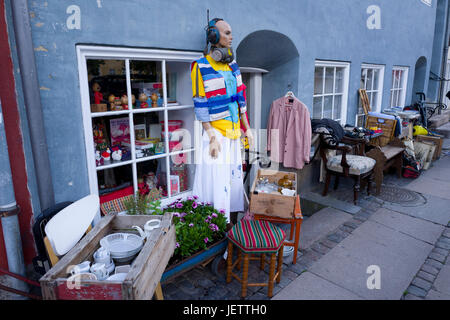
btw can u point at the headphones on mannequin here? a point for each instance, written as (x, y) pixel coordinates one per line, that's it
(212, 38)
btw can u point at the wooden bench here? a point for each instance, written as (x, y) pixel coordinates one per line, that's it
(387, 156)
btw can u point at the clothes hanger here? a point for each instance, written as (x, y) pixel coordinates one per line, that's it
(290, 94)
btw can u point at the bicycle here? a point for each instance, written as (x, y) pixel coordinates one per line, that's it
(426, 111)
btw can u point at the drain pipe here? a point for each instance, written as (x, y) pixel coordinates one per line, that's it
(27, 64)
(9, 214)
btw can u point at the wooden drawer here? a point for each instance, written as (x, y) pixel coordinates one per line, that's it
(141, 281)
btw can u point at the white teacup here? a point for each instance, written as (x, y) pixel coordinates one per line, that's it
(102, 256)
(81, 268)
(100, 270)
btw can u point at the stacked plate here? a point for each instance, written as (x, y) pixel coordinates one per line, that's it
(122, 246)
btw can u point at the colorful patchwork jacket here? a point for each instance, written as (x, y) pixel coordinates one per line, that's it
(215, 105)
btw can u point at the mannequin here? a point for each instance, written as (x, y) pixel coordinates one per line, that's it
(218, 177)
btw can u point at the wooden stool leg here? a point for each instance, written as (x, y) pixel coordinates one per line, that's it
(356, 189)
(280, 263)
(229, 261)
(327, 183)
(262, 261)
(298, 224)
(271, 274)
(158, 292)
(239, 257)
(245, 276)
(291, 234)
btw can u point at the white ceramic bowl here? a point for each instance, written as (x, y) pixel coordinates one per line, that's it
(117, 277)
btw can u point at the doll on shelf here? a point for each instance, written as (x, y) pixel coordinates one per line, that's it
(125, 101)
(98, 96)
(143, 100)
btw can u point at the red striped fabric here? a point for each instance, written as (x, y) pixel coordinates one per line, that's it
(256, 236)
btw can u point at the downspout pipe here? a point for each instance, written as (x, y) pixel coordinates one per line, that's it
(30, 84)
(9, 214)
(444, 58)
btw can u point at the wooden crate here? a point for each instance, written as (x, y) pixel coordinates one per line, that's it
(434, 140)
(141, 281)
(101, 107)
(387, 125)
(276, 205)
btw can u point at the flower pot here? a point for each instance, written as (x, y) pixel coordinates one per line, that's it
(191, 262)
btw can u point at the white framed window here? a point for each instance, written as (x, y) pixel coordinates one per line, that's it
(372, 78)
(141, 126)
(398, 86)
(330, 90)
(427, 2)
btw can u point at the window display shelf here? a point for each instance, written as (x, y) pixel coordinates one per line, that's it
(114, 164)
(156, 156)
(109, 113)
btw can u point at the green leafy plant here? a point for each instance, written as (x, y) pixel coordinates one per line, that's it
(140, 204)
(197, 225)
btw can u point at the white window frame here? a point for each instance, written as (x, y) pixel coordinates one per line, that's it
(379, 90)
(334, 64)
(85, 52)
(428, 2)
(403, 86)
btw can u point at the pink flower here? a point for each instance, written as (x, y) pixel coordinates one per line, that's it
(195, 197)
(179, 205)
(191, 225)
(190, 198)
(214, 215)
(177, 245)
(194, 205)
(213, 227)
(206, 240)
(222, 211)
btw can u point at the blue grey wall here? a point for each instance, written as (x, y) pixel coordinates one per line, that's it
(325, 29)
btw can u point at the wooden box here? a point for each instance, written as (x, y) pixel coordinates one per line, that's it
(269, 204)
(101, 107)
(140, 282)
(434, 140)
(387, 125)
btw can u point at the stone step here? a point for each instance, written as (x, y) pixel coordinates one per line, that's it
(444, 130)
(439, 119)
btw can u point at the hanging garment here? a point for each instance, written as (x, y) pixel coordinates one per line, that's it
(289, 133)
(220, 181)
(331, 130)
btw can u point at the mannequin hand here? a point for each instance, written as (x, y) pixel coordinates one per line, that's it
(214, 147)
(250, 138)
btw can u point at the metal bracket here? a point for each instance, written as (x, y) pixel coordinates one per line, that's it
(13, 212)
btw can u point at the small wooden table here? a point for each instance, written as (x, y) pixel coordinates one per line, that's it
(295, 222)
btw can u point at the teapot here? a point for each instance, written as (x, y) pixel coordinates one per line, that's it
(148, 227)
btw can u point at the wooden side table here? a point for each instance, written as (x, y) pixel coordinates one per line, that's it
(295, 222)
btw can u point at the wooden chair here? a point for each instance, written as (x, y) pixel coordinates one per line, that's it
(255, 237)
(346, 165)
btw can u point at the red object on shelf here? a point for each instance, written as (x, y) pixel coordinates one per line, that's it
(117, 194)
(173, 125)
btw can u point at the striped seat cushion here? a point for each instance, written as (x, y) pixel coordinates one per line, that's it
(256, 236)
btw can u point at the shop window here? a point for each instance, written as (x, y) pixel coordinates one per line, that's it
(372, 81)
(398, 86)
(330, 90)
(139, 120)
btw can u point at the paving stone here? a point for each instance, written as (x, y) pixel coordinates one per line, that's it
(441, 251)
(421, 283)
(446, 233)
(289, 274)
(426, 276)
(437, 257)
(188, 288)
(320, 248)
(444, 240)
(205, 283)
(434, 263)
(298, 268)
(430, 269)
(169, 288)
(351, 224)
(442, 282)
(328, 243)
(417, 291)
(412, 297)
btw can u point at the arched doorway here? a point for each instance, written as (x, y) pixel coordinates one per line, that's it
(419, 78)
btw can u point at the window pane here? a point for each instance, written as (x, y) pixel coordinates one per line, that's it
(152, 176)
(182, 170)
(339, 80)
(327, 107)
(146, 83)
(360, 121)
(317, 108)
(114, 179)
(376, 75)
(337, 107)
(374, 103)
(399, 97)
(329, 80)
(318, 80)
(107, 84)
(363, 78)
(148, 134)
(369, 79)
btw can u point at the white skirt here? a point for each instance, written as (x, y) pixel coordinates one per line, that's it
(220, 181)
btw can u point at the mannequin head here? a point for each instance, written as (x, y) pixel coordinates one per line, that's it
(226, 37)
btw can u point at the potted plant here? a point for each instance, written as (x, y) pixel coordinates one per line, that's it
(200, 233)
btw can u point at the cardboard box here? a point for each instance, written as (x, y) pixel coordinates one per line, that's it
(269, 204)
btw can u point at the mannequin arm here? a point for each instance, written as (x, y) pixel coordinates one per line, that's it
(214, 145)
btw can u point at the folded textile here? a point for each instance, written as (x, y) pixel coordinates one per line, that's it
(331, 130)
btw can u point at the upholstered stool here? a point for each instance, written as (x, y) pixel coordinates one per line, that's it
(255, 237)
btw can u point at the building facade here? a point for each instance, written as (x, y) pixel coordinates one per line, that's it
(323, 51)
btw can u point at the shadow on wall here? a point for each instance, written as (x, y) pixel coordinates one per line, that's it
(419, 78)
(276, 53)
